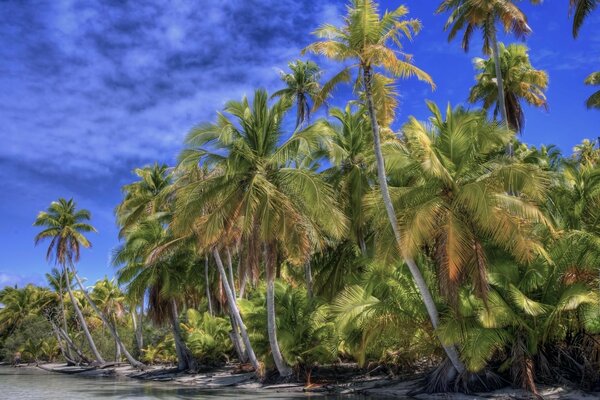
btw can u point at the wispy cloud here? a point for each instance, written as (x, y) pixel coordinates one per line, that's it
(96, 87)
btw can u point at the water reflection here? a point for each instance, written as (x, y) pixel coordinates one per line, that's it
(30, 384)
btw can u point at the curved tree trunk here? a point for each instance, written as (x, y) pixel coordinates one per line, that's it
(63, 316)
(236, 312)
(412, 265)
(185, 358)
(271, 261)
(81, 319)
(137, 329)
(207, 283)
(500, 84)
(112, 329)
(230, 267)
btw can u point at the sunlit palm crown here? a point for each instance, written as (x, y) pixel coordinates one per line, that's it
(521, 82)
(452, 184)
(65, 227)
(265, 187)
(365, 38)
(470, 15)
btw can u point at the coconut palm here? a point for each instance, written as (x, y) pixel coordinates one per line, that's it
(522, 323)
(65, 227)
(469, 15)
(262, 193)
(365, 37)
(351, 174)
(145, 197)
(111, 301)
(453, 198)
(162, 279)
(302, 87)
(56, 280)
(581, 9)
(594, 100)
(522, 82)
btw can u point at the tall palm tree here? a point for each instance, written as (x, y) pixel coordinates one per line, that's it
(522, 82)
(364, 38)
(469, 15)
(144, 197)
(581, 9)
(351, 175)
(162, 279)
(65, 227)
(56, 280)
(109, 298)
(262, 193)
(302, 87)
(455, 180)
(594, 100)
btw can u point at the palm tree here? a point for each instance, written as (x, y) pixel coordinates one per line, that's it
(65, 227)
(262, 193)
(581, 9)
(522, 82)
(56, 280)
(594, 100)
(162, 278)
(111, 301)
(453, 197)
(351, 174)
(302, 87)
(145, 197)
(469, 15)
(364, 38)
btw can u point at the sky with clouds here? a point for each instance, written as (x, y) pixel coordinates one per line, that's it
(91, 89)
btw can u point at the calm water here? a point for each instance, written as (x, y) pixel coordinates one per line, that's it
(30, 384)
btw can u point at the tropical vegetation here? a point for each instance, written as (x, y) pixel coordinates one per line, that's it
(289, 237)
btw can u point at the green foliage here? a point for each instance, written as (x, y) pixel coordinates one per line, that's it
(207, 336)
(305, 333)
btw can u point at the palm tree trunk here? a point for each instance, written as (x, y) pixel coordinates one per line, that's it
(64, 347)
(271, 260)
(137, 329)
(81, 319)
(500, 83)
(63, 315)
(113, 330)
(391, 213)
(69, 342)
(230, 267)
(185, 359)
(207, 283)
(236, 312)
(309, 279)
(117, 351)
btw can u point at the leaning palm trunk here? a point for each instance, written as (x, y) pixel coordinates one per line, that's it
(271, 260)
(137, 329)
(236, 312)
(185, 359)
(64, 347)
(113, 330)
(63, 316)
(69, 342)
(84, 326)
(230, 267)
(412, 265)
(500, 84)
(207, 283)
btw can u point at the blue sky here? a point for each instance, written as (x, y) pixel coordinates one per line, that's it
(90, 90)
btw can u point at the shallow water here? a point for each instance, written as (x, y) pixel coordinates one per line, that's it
(30, 384)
